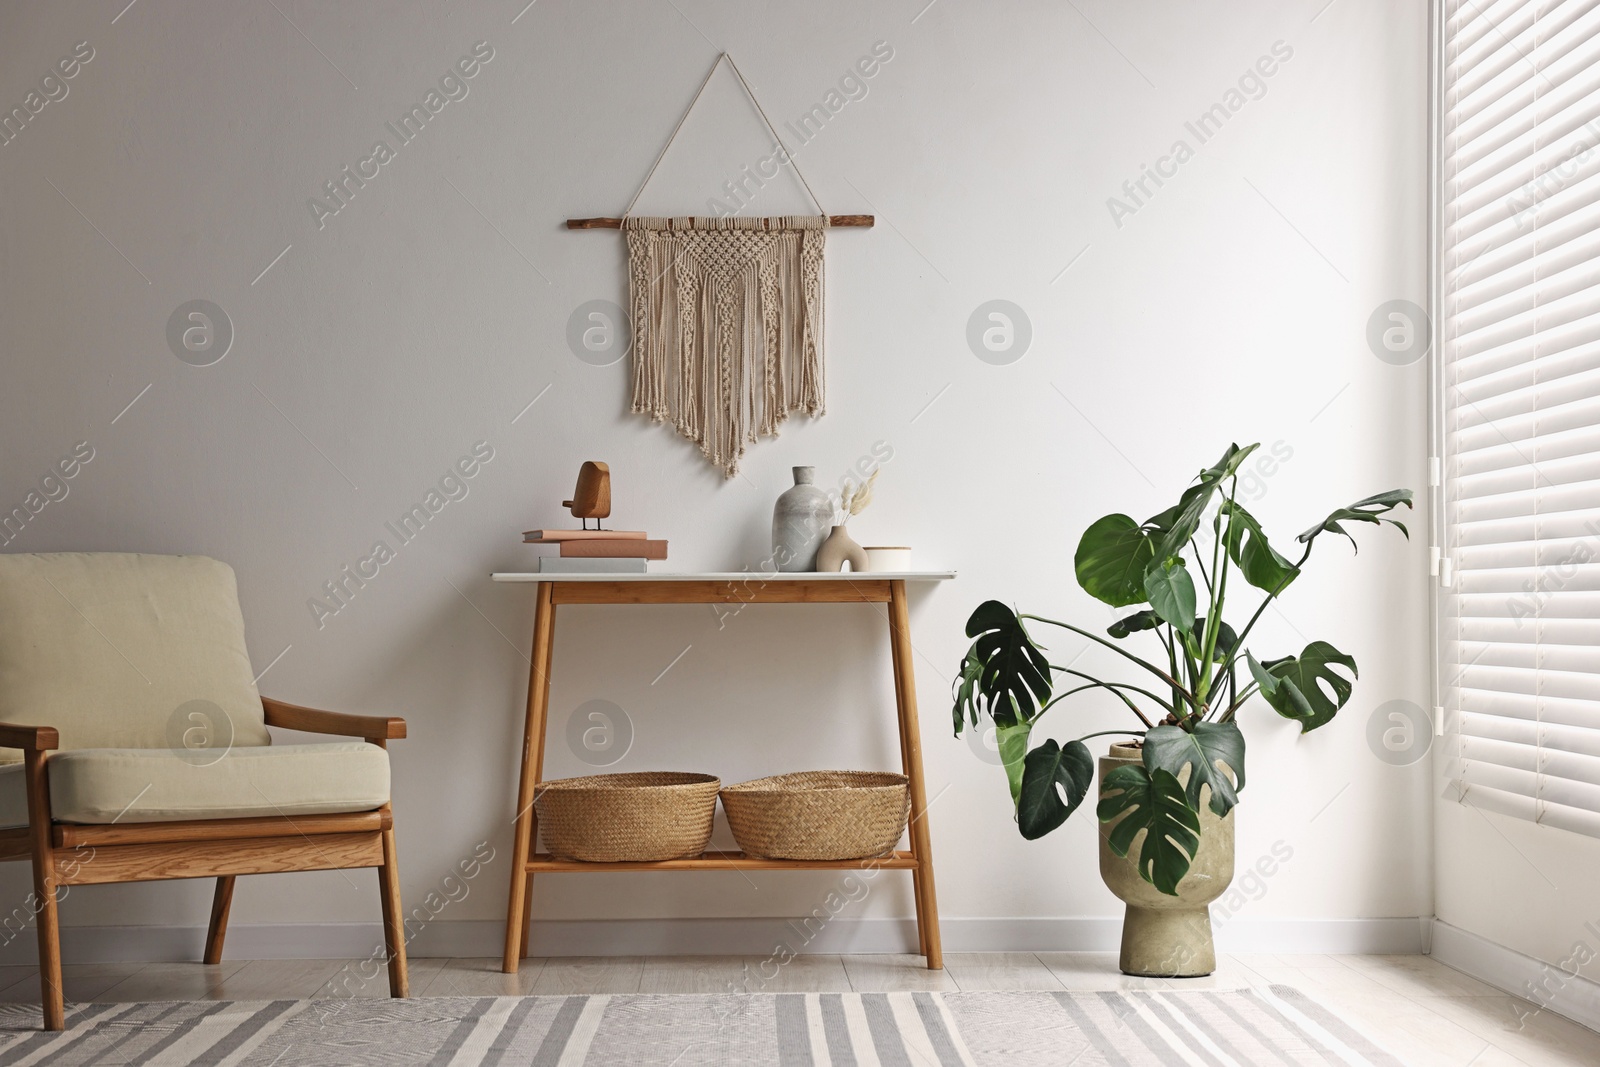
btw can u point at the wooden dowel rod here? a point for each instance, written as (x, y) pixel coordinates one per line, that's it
(616, 224)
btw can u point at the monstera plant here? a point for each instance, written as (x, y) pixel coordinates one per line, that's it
(1177, 579)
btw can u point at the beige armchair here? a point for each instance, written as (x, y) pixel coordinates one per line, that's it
(137, 747)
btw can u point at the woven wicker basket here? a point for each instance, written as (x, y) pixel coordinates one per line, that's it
(819, 815)
(640, 817)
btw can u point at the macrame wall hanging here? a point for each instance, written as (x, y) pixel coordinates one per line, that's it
(726, 313)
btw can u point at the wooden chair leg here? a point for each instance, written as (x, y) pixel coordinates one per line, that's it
(394, 934)
(220, 903)
(51, 997)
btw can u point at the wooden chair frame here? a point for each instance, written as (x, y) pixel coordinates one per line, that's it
(66, 854)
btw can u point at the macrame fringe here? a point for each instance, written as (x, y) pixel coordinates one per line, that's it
(727, 326)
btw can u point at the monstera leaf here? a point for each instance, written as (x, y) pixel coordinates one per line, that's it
(1227, 640)
(1298, 688)
(966, 687)
(1232, 459)
(1151, 801)
(1247, 546)
(1004, 673)
(1171, 749)
(1112, 557)
(1116, 555)
(1170, 590)
(1139, 620)
(1178, 524)
(1040, 807)
(1012, 742)
(1169, 526)
(1372, 509)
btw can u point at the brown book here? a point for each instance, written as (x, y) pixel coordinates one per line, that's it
(629, 548)
(550, 537)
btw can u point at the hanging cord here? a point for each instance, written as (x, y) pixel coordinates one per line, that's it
(776, 136)
(759, 109)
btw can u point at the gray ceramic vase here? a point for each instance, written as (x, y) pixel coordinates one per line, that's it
(800, 522)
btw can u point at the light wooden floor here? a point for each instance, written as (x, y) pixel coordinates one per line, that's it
(1421, 1010)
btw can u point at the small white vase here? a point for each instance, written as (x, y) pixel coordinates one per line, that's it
(840, 548)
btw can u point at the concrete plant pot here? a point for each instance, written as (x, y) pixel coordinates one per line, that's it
(1165, 936)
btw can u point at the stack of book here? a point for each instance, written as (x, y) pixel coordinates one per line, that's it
(596, 551)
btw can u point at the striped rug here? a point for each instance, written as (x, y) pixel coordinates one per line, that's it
(1267, 1025)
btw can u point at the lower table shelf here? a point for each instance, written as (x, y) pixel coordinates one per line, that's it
(544, 863)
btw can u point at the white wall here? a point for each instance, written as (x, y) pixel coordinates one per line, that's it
(425, 315)
(1528, 888)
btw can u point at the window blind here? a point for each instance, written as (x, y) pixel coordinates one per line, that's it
(1518, 304)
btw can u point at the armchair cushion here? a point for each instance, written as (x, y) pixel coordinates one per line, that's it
(117, 650)
(122, 785)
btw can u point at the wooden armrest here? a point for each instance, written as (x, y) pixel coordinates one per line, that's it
(290, 717)
(29, 738)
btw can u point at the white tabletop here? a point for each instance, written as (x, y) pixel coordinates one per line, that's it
(729, 576)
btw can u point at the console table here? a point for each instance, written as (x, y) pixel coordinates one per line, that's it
(717, 588)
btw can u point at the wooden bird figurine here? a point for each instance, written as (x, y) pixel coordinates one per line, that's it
(592, 498)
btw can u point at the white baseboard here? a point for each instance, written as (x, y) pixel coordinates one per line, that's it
(701, 937)
(1547, 985)
(1401, 936)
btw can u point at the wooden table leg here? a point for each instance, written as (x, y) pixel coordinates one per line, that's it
(527, 909)
(526, 828)
(905, 767)
(538, 776)
(905, 691)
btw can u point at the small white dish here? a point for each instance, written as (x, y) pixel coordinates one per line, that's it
(888, 558)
